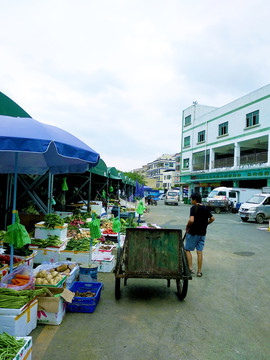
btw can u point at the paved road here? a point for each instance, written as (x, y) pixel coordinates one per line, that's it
(224, 316)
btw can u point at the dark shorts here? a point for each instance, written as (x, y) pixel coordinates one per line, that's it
(194, 241)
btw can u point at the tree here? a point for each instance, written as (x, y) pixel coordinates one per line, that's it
(135, 176)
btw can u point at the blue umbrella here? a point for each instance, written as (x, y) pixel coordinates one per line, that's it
(137, 188)
(142, 191)
(28, 146)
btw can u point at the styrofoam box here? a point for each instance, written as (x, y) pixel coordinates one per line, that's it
(41, 232)
(29, 260)
(47, 254)
(105, 266)
(63, 214)
(19, 322)
(3, 271)
(25, 353)
(105, 253)
(80, 257)
(96, 206)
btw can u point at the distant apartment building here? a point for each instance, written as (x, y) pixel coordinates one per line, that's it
(177, 169)
(227, 146)
(157, 167)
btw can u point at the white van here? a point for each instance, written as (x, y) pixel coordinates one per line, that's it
(234, 197)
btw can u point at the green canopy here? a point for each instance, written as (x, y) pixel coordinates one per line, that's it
(123, 177)
(113, 173)
(9, 108)
(100, 169)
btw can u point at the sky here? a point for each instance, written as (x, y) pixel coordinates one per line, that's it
(118, 73)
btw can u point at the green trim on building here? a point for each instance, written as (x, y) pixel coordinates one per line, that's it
(211, 177)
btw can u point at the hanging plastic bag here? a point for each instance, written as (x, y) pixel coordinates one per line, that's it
(19, 279)
(64, 184)
(140, 209)
(94, 226)
(103, 194)
(116, 227)
(110, 189)
(17, 234)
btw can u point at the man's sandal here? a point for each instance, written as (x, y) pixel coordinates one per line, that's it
(192, 271)
(199, 274)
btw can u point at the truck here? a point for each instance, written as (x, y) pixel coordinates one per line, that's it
(257, 207)
(229, 198)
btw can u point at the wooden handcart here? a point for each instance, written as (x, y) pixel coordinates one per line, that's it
(153, 254)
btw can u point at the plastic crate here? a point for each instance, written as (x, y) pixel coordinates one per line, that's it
(84, 304)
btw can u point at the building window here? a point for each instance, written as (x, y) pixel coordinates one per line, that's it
(187, 141)
(188, 120)
(223, 129)
(186, 163)
(252, 118)
(201, 136)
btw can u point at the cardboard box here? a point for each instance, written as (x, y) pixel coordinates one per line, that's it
(25, 353)
(41, 232)
(19, 322)
(51, 309)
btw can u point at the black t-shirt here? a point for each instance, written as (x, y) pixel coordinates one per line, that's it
(201, 215)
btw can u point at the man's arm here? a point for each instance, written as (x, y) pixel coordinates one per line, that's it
(211, 219)
(190, 222)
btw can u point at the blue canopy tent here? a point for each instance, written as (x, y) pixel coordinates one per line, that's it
(28, 146)
(137, 188)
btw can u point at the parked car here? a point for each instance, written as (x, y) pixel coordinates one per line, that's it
(172, 197)
(256, 208)
(162, 196)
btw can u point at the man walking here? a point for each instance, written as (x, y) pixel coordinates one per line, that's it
(200, 217)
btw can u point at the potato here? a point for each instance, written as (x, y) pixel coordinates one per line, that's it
(71, 266)
(38, 281)
(49, 277)
(54, 273)
(43, 273)
(62, 268)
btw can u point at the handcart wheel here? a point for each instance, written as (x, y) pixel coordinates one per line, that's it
(182, 287)
(117, 293)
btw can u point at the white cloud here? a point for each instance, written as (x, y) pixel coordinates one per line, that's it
(117, 74)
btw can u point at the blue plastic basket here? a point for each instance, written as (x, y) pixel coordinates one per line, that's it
(84, 304)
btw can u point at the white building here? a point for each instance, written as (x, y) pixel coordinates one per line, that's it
(228, 145)
(168, 179)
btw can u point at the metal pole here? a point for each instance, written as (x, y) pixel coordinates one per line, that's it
(89, 191)
(14, 208)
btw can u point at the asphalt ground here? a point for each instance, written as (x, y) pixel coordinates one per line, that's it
(224, 316)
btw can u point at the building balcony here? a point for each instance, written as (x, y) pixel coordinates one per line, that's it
(225, 162)
(256, 158)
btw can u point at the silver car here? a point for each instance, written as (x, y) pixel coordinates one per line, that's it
(256, 208)
(172, 197)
